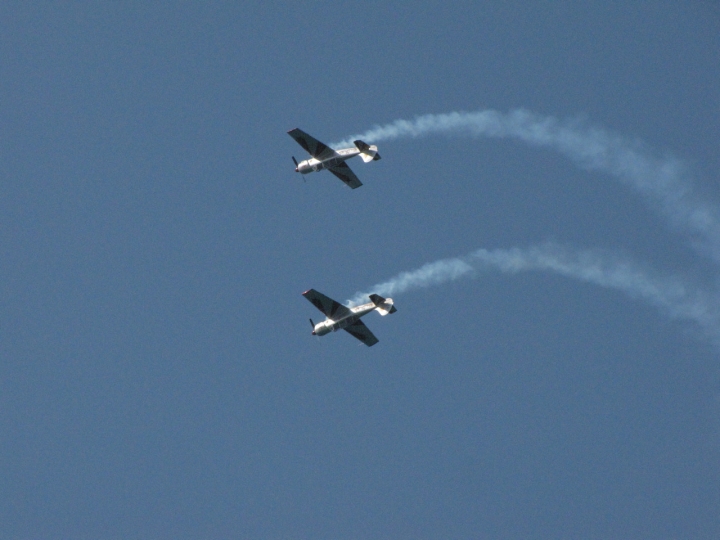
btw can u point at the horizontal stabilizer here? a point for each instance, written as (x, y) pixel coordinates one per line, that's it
(383, 306)
(367, 153)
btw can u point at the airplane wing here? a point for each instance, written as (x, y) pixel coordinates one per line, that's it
(344, 173)
(362, 332)
(313, 147)
(331, 308)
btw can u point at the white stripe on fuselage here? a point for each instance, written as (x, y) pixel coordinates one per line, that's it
(314, 165)
(331, 325)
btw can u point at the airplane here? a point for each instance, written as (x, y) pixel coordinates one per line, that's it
(324, 157)
(348, 319)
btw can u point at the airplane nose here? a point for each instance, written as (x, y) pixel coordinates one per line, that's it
(313, 332)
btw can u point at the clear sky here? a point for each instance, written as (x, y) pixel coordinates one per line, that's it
(158, 378)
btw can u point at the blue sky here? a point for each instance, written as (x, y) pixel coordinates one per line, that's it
(158, 378)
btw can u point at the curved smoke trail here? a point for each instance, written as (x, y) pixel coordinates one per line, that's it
(671, 295)
(664, 181)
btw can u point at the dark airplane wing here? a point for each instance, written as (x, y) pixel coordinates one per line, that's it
(344, 173)
(311, 145)
(332, 309)
(362, 332)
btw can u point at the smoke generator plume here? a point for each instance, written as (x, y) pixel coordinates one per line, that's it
(671, 295)
(663, 181)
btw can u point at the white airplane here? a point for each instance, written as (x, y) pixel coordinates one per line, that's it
(348, 319)
(324, 157)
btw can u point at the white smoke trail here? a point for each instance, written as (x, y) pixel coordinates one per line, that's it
(673, 297)
(664, 181)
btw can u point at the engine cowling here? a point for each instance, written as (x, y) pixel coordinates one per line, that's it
(304, 167)
(309, 165)
(322, 328)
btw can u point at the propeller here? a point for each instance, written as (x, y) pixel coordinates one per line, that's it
(296, 163)
(313, 332)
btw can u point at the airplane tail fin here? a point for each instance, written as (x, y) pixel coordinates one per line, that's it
(383, 305)
(367, 153)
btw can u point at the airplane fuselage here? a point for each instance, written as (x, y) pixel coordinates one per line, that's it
(315, 165)
(330, 325)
